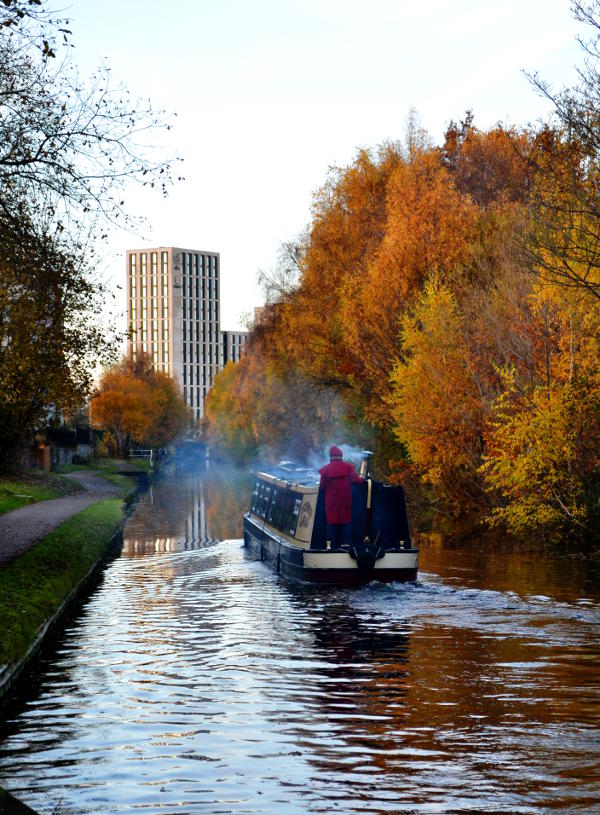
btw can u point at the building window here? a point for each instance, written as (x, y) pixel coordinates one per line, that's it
(154, 306)
(133, 303)
(144, 300)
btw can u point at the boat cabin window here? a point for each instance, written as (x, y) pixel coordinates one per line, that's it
(283, 510)
(286, 521)
(264, 500)
(277, 509)
(260, 498)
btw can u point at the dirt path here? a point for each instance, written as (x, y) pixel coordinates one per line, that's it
(22, 528)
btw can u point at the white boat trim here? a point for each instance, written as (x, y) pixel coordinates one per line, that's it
(328, 559)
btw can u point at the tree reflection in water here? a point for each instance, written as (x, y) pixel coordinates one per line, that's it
(189, 507)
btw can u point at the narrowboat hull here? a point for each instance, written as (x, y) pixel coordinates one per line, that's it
(286, 528)
(325, 566)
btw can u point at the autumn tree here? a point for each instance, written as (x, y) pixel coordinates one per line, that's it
(427, 232)
(415, 309)
(229, 409)
(564, 214)
(67, 148)
(48, 345)
(443, 440)
(382, 227)
(542, 445)
(492, 167)
(348, 224)
(257, 411)
(139, 406)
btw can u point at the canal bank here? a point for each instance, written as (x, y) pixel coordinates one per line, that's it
(49, 553)
(42, 580)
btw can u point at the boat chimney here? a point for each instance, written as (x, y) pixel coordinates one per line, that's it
(364, 464)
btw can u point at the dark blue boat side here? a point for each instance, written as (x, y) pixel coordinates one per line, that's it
(286, 528)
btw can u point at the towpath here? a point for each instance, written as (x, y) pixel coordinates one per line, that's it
(24, 527)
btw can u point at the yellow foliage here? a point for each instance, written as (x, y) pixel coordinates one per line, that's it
(543, 444)
(435, 401)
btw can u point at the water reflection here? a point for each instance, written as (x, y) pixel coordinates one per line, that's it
(352, 702)
(525, 570)
(187, 510)
(196, 681)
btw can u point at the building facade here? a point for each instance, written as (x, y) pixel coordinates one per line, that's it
(173, 316)
(233, 345)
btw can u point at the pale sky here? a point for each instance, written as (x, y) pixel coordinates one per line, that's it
(270, 93)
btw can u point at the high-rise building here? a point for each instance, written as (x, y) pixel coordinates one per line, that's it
(173, 316)
(234, 344)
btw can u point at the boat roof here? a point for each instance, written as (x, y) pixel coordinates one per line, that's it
(292, 472)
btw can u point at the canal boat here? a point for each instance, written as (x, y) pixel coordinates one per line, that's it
(286, 528)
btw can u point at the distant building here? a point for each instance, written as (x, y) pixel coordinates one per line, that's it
(260, 312)
(233, 345)
(173, 316)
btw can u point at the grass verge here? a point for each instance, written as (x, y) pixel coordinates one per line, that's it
(34, 586)
(31, 487)
(142, 464)
(123, 482)
(108, 465)
(15, 494)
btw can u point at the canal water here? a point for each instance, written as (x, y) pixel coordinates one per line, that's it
(195, 680)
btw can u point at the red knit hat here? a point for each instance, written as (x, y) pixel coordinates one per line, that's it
(335, 452)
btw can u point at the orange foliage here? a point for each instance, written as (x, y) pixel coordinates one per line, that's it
(428, 227)
(493, 167)
(139, 406)
(349, 216)
(255, 411)
(419, 304)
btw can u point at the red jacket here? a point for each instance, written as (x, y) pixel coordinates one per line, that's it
(336, 483)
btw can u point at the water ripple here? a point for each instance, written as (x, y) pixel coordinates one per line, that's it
(198, 682)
